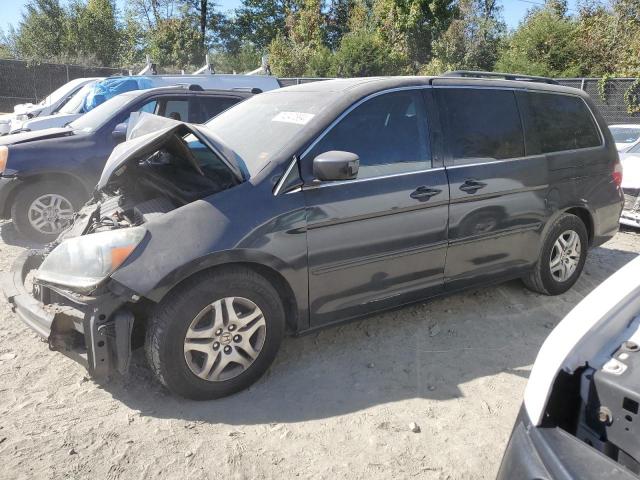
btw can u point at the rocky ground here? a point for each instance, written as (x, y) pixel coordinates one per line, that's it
(337, 404)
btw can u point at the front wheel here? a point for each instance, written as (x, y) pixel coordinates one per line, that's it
(216, 334)
(42, 210)
(562, 257)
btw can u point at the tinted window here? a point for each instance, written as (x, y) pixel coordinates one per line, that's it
(562, 122)
(481, 124)
(388, 133)
(177, 109)
(212, 106)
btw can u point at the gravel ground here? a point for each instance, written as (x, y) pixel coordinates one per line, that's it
(337, 404)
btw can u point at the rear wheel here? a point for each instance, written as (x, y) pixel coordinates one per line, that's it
(216, 334)
(41, 210)
(562, 257)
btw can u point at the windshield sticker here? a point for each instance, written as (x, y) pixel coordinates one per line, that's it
(299, 118)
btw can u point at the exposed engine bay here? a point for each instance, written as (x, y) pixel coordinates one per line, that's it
(180, 170)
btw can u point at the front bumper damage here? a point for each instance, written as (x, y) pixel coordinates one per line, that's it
(95, 331)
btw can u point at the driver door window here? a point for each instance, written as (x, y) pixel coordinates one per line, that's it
(387, 132)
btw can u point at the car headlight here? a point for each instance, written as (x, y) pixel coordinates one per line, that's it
(81, 263)
(4, 156)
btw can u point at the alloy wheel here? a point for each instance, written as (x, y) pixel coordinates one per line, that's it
(50, 213)
(224, 339)
(565, 256)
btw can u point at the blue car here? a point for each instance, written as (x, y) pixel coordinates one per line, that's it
(47, 175)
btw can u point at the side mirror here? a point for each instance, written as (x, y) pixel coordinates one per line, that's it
(120, 132)
(336, 165)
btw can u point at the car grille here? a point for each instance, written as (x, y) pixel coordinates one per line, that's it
(631, 199)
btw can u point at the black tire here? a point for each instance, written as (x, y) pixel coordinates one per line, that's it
(167, 329)
(541, 279)
(28, 194)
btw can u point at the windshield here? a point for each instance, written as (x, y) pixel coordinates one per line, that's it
(258, 128)
(77, 101)
(58, 94)
(625, 135)
(100, 115)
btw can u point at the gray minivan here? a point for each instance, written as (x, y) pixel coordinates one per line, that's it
(316, 204)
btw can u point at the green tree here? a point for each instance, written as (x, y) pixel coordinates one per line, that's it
(472, 40)
(302, 51)
(41, 33)
(258, 22)
(93, 32)
(411, 26)
(363, 53)
(544, 44)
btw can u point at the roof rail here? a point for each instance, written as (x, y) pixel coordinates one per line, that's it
(505, 76)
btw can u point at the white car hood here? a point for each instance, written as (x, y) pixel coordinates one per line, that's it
(596, 325)
(50, 121)
(630, 171)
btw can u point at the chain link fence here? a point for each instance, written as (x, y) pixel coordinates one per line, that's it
(22, 82)
(614, 108)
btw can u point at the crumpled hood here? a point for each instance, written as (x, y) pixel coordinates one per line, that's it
(146, 134)
(17, 138)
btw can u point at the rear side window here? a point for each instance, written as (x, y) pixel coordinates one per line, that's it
(212, 106)
(562, 122)
(388, 133)
(177, 109)
(481, 124)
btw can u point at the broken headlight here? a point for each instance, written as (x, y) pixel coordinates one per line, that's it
(81, 263)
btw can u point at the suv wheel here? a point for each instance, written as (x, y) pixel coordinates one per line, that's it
(41, 210)
(216, 334)
(562, 257)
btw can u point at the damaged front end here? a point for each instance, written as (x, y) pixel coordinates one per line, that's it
(65, 292)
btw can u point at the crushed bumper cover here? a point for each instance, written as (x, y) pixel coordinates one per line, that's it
(537, 453)
(95, 331)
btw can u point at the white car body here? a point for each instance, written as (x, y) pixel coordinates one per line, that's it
(46, 107)
(631, 186)
(209, 82)
(587, 336)
(625, 135)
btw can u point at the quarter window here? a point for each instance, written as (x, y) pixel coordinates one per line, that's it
(562, 122)
(387, 132)
(481, 124)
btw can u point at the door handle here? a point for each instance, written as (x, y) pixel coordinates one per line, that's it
(424, 193)
(472, 186)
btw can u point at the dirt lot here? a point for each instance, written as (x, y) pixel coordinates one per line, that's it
(337, 404)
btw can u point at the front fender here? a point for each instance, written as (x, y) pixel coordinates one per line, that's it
(245, 224)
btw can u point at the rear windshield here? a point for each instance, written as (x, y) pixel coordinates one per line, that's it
(258, 128)
(563, 122)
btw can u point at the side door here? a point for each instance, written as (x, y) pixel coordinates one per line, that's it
(378, 240)
(498, 191)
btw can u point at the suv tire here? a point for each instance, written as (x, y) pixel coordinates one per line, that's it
(196, 336)
(561, 258)
(36, 206)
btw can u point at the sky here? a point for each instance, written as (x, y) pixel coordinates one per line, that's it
(513, 10)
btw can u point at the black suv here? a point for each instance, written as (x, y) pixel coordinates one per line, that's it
(50, 173)
(315, 204)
